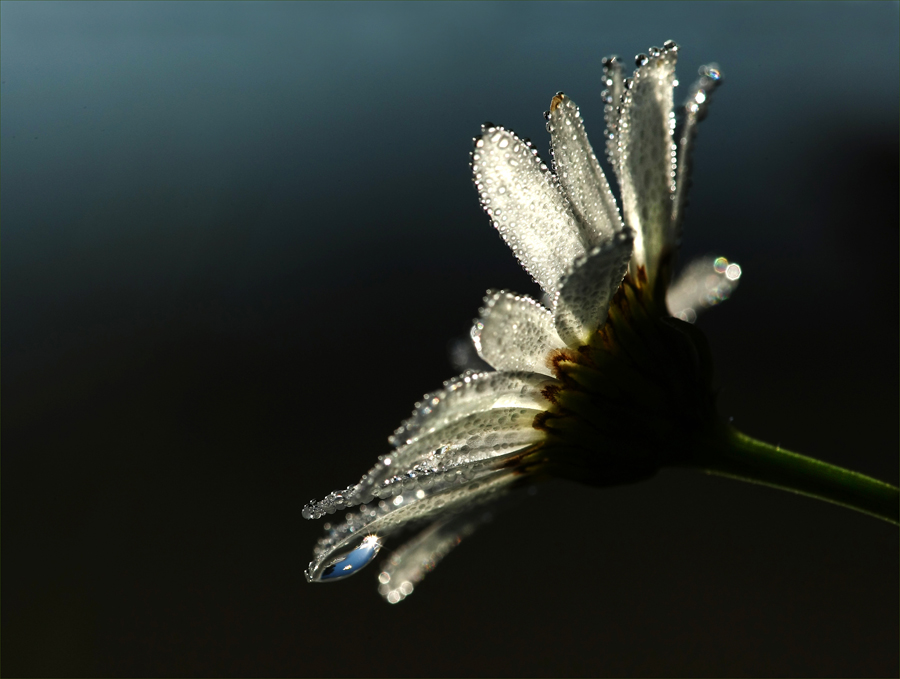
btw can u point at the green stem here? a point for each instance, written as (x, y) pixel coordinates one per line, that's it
(738, 456)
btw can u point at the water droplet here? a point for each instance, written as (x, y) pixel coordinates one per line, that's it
(349, 562)
(710, 71)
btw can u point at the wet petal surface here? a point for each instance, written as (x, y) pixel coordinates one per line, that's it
(477, 436)
(353, 538)
(695, 109)
(580, 174)
(614, 81)
(515, 333)
(470, 393)
(428, 459)
(585, 293)
(526, 205)
(645, 163)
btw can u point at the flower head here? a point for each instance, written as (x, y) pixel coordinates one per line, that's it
(598, 384)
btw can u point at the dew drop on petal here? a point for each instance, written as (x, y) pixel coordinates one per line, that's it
(350, 562)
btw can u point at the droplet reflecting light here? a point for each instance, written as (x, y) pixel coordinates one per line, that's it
(349, 563)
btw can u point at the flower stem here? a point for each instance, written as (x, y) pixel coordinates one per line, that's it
(738, 456)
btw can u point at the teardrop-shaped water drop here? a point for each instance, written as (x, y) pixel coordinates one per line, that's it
(348, 562)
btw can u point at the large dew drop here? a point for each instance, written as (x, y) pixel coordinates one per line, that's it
(349, 562)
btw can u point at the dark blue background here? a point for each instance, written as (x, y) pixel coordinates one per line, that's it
(237, 239)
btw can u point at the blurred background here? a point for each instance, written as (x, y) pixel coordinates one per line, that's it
(237, 241)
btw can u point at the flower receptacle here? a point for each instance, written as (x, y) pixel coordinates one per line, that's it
(634, 399)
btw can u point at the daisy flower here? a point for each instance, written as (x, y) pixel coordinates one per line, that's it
(604, 380)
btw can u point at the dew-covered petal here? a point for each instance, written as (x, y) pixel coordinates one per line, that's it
(351, 542)
(614, 83)
(705, 282)
(580, 174)
(695, 109)
(515, 333)
(526, 204)
(470, 393)
(584, 294)
(480, 435)
(407, 566)
(476, 437)
(646, 155)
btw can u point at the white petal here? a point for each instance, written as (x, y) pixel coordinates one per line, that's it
(353, 539)
(408, 565)
(470, 393)
(428, 459)
(580, 174)
(526, 205)
(585, 293)
(477, 436)
(705, 282)
(646, 161)
(695, 108)
(515, 333)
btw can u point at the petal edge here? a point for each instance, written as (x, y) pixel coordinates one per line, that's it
(526, 205)
(585, 293)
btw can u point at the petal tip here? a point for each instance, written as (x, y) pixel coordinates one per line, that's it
(558, 99)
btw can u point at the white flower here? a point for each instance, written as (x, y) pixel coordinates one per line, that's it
(587, 387)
